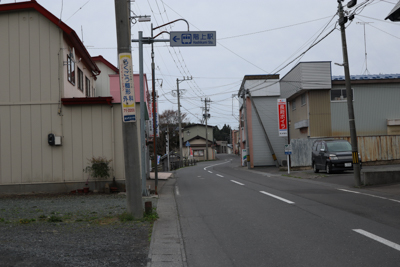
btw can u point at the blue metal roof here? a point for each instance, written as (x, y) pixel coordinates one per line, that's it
(368, 77)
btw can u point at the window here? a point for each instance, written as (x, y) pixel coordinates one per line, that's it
(294, 104)
(198, 153)
(340, 94)
(80, 79)
(87, 87)
(71, 69)
(303, 99)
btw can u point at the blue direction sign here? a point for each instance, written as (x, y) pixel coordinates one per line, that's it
(195, 38)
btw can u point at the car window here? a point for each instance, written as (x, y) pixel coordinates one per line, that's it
(319, 147)
(323, 146)
(339, 146)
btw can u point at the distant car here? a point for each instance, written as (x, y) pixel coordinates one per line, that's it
(332, 155)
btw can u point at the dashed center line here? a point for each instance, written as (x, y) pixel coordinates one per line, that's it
(378, 238)
(220, 175)
(279, 198)
(209, 172)
(233, 181)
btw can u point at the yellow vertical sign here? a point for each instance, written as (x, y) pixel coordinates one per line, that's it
(127, 88)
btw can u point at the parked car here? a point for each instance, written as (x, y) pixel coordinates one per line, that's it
(332, 155)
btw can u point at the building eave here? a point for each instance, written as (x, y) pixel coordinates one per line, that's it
(87, 101)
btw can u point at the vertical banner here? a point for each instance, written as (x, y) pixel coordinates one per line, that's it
(282, 118)
(127, 89)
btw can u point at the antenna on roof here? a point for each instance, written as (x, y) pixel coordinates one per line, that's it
(365, 47)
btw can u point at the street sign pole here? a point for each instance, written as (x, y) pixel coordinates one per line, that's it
(129, 127)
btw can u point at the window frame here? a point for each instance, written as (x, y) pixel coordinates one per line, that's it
(293, 104)
(81, 85)
(87, 85)
(303, 97)
(70, 69)
(344, 99)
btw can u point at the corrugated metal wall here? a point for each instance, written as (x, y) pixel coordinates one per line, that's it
(320, 113)
(373, 105)
(26, 157)
(267, 108)
(306, 75)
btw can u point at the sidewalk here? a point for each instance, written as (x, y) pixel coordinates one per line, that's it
(166, 247)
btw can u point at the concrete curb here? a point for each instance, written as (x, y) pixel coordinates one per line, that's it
(166, 246)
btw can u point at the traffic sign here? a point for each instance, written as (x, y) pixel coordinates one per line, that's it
(288, 150)
(193, 38)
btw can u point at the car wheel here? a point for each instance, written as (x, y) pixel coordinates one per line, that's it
(328, 169)
(315, 168)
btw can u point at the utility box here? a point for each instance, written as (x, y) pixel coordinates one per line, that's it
(57, 140)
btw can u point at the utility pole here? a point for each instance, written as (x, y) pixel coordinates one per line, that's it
(179, 112)
(129, 129)
(352, 122)
(153, 84)
(206, 115)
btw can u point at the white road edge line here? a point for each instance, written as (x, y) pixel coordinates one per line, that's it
(355, 192)
(177, 190)
(281, 199)
(378, 238)
(209, 172)
(233, 181)
(220, 175)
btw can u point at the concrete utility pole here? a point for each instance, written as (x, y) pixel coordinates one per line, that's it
(352, 123)
(129, 129)
(206, 117)
(179, 112)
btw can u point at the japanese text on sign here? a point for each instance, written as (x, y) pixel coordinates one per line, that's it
(282, 117)
(127, 88)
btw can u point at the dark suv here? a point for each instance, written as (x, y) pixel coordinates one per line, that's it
(332, 155)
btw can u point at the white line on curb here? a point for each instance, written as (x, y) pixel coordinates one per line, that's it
(220, 175)
(281, 199)
(378, 238)
(355, 192)
(233, 181)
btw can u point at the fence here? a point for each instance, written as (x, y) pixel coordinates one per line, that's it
(370, 148)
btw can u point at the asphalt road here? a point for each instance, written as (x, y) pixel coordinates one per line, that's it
(231, 216)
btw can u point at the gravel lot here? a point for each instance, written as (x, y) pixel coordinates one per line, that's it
(71, 230)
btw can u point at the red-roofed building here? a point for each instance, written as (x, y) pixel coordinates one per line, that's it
(48, 92)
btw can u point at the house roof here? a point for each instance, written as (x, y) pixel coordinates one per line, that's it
(197, 124)
(106, 62)
(370, 78)
(69, 33)
(198, 137)
(256, 77)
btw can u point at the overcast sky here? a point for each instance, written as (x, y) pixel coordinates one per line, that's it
(253, 37)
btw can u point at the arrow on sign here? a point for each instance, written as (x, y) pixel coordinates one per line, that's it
(175, 38)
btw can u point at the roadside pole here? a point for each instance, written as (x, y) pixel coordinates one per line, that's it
(350, 108)
(129, 129)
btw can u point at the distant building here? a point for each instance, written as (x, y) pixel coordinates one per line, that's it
(265, 91)
(195, 142)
